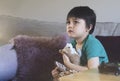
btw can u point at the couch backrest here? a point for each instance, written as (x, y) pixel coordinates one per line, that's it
(104, 28)
(12, 26)
(107, 29)
(117, 30)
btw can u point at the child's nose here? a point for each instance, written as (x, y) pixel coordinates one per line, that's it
(71, 25)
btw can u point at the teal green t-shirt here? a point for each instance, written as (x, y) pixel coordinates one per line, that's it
(92, 47)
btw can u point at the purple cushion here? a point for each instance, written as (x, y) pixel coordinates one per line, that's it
(112, 47)
(36, 56)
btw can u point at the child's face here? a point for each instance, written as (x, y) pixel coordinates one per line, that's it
(76, 28)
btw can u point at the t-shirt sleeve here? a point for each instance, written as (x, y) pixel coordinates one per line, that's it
(94, 49)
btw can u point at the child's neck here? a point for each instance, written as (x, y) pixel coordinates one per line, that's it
(80, 41)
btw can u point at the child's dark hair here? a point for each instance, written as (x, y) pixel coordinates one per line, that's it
(86, 13)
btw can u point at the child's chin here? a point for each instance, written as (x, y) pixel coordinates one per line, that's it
(72, 36)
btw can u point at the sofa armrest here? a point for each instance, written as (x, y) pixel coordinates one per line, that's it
(8, 62)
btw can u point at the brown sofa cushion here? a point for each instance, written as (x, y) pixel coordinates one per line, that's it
(36, 56)
(112, 47)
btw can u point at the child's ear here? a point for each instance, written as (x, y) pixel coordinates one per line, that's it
(89, 28)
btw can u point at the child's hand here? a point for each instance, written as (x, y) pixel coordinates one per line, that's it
(66, 59)
(55, 73)
(61, 51)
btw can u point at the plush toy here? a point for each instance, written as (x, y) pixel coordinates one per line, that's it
(73, 56)
(71, 53)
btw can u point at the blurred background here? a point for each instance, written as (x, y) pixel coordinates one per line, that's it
(56, 10)
(31, 16)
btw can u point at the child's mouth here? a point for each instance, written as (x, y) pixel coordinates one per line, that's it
(70, 31)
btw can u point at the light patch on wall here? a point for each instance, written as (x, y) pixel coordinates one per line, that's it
(9, 7)
(1, 35)
(56, 10)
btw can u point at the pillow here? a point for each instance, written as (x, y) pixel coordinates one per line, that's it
(36, 56)
(112, 47)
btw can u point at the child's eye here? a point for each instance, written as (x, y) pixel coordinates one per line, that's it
(76, 22)
(68, 22)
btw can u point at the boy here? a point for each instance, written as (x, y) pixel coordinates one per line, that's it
(79, 26)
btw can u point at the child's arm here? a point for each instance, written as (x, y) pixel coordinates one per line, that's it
(73, 66)
(93, 62)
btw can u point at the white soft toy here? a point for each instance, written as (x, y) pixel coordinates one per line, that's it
(71, 53)
(73, 56)
(70, 48)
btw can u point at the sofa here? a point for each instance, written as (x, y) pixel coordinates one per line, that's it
(107, 32)
(11, 26)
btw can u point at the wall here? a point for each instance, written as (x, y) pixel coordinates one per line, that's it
(56, 10)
